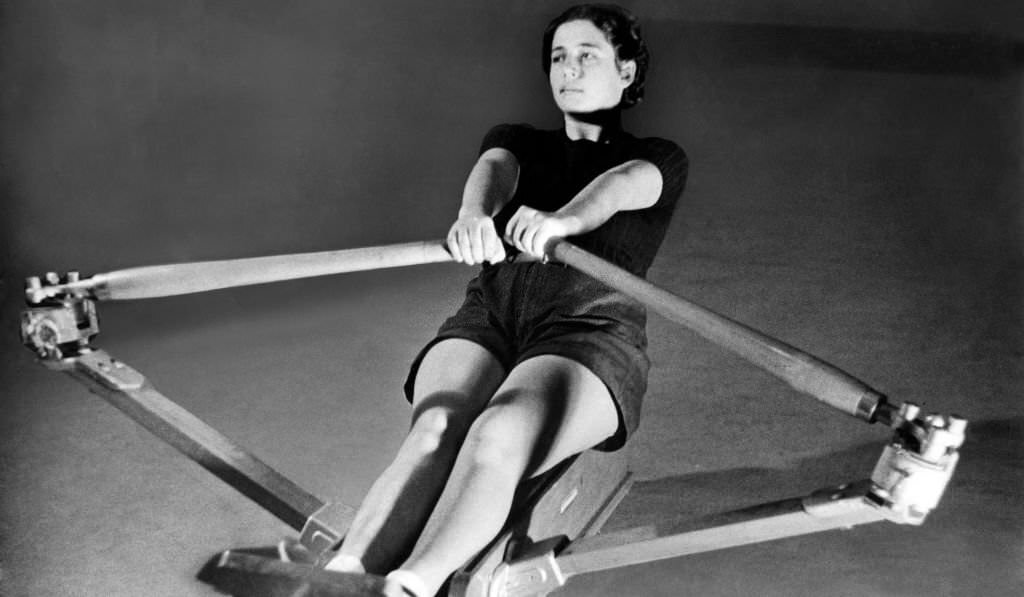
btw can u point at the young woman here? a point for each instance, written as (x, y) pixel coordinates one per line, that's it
(540, 362)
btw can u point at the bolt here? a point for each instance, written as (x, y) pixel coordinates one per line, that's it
(72, 276)
(52, 278)
(33, 290)
(957, 424)
(881, 493)
(936, 446)
(909, 411)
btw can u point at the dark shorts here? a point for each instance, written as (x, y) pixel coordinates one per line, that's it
(522, 310)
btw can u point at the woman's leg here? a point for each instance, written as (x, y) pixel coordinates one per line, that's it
(548, 409)
(455, 380)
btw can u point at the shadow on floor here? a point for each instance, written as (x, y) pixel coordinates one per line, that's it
(991, 466)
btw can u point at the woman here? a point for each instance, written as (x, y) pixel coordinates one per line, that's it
(540, 362)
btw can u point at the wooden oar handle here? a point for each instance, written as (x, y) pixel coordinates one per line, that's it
(185, 278)
(800, 370)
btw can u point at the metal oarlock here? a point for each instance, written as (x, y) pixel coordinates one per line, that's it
(916, 466)
(60, 324)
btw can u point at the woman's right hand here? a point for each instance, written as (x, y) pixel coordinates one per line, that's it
(473, 239)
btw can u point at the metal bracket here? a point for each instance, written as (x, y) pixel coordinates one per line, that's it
(530, 575)
(109, 371)
(836, 502)
(325, 528)
(58, 327)
(916, 466)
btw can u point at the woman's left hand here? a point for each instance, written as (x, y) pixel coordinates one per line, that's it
(530, 230)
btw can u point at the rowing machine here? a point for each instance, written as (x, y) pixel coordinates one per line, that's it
(552, 534)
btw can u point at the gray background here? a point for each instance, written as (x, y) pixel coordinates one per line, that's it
(856, 190)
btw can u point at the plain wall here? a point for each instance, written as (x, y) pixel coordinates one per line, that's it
(146, 132)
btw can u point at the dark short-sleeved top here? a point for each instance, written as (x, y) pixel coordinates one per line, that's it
(553, 168)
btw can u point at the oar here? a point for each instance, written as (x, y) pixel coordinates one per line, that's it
(186, 278)
(802, 371)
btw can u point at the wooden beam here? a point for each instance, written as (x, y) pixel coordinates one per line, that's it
(131, 393)
(831, 509)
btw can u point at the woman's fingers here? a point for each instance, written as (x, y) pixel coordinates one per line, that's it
(494, 249)
(465, 239)
(530, 230)
(476, 243)
(453, 244)
(516, 227)
(473, 240)
(488, 246)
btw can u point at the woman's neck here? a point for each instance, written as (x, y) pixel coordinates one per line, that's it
(592, 126)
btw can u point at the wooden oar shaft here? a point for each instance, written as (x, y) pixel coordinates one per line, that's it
(185, 278)
(800, 370)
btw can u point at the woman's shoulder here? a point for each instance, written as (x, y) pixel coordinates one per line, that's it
(664, 153)
(514, 126)
(517, 138)
(520, 129)
(659, 145)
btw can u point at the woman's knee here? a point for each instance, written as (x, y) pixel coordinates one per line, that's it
(549, 409)
(433, 427)
(501, 437)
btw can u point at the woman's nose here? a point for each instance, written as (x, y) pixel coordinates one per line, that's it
(571, 71)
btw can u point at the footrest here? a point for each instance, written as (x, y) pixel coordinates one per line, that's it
(260, 572)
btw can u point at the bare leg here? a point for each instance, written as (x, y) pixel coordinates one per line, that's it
(548, 409)
(454, 382)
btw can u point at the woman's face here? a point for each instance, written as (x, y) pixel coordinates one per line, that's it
(585, 73)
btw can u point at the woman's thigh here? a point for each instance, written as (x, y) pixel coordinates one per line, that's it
(458, 375)
(554, 407)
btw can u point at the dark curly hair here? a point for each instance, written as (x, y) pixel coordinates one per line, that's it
(621, 29)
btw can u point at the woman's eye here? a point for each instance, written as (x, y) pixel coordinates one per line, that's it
(557, 59)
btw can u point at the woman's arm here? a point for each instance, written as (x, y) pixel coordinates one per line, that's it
(491, 183)
(635, 184)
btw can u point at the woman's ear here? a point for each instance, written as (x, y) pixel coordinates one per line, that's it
(627, 72)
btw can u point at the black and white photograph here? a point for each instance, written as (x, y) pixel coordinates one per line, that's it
(511, 299)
